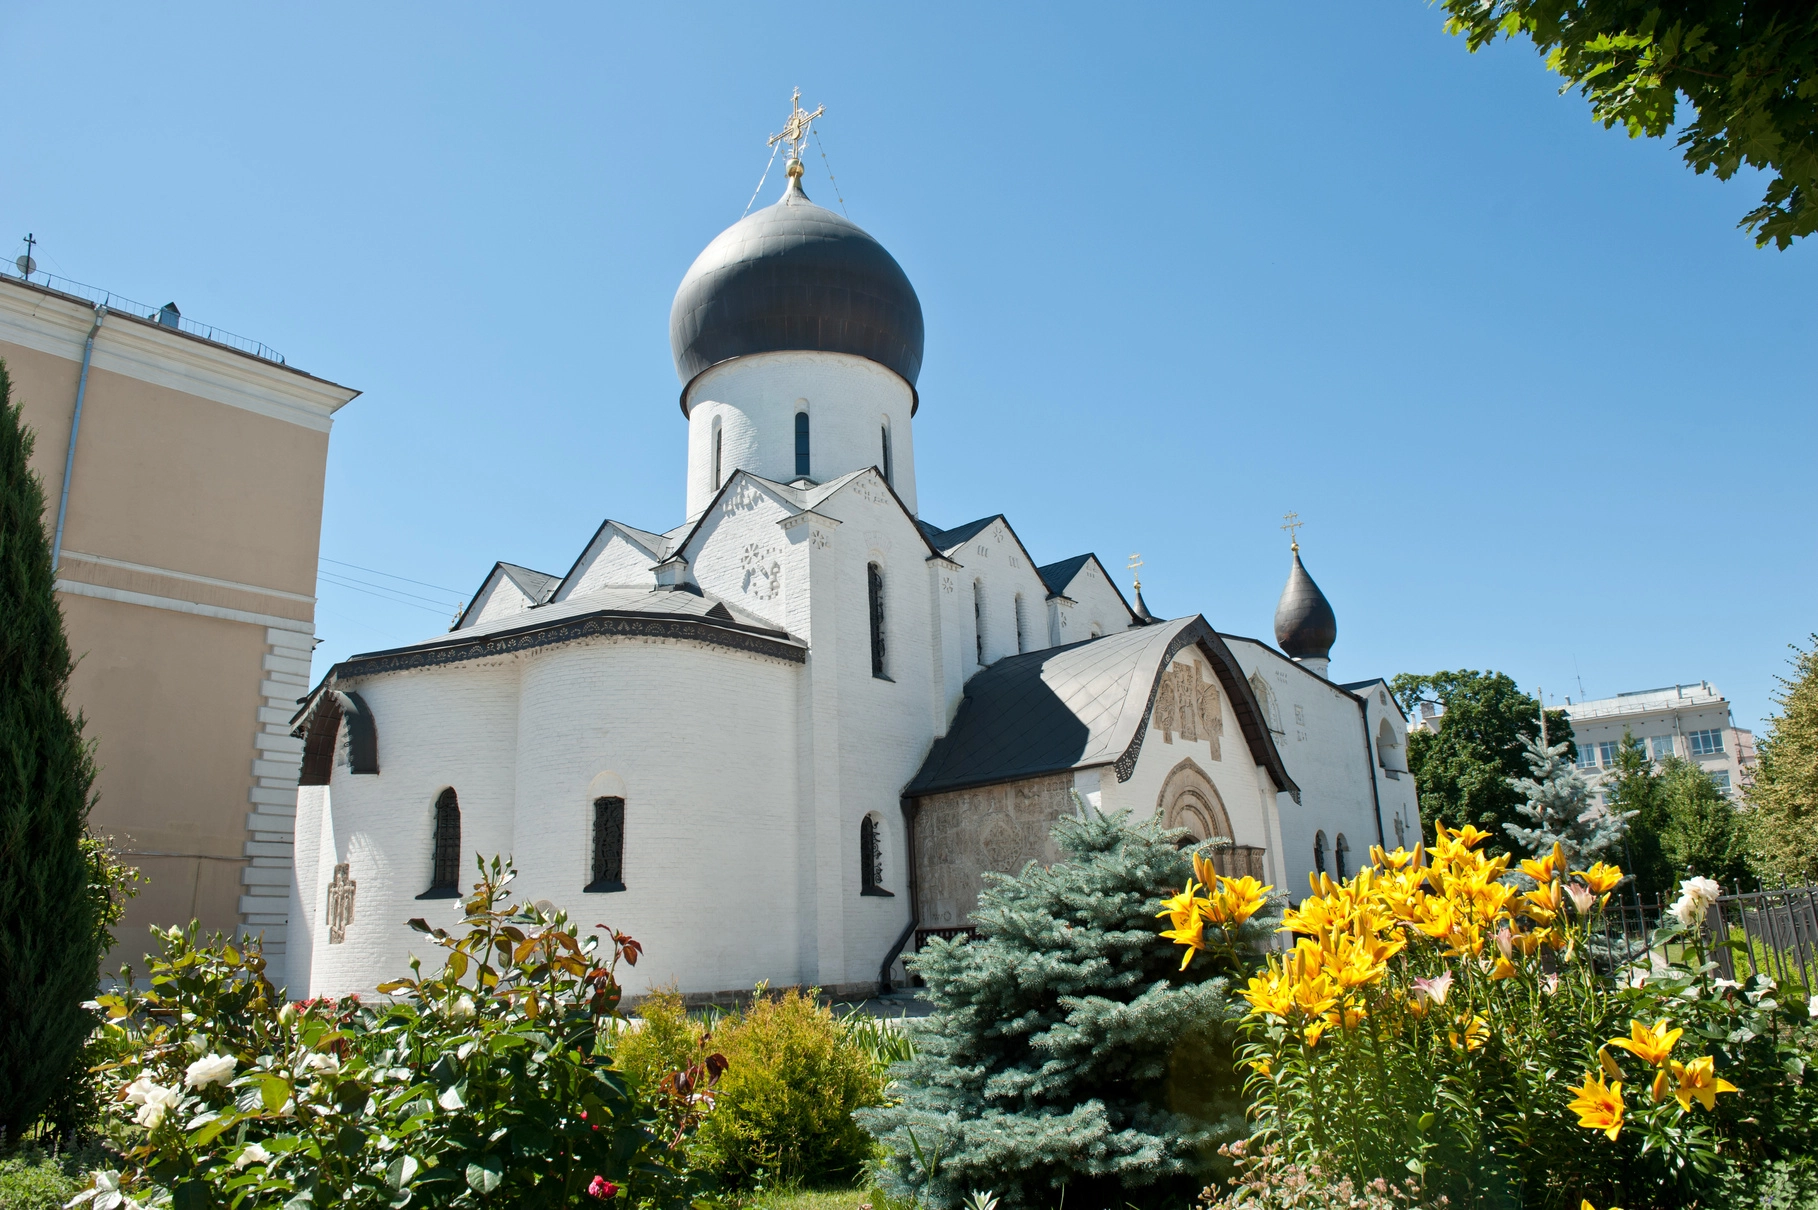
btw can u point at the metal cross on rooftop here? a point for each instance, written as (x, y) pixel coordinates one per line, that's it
(1136, 562)
(795, 130)
(1293, 527)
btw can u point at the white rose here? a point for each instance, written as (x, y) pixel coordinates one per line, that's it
(464, 1007)
(136, 1091)
(322, 1062)
(209, 1069)
(158, 1102)
(1811, 1008)
(252, 1153)
(1688, 911)
(1702, 889)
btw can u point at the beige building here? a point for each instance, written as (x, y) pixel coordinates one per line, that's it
(185, 530)
(1690, 721)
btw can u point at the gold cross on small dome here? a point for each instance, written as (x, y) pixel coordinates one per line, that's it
(795, 130)
(1136, 562)
(1293, 527)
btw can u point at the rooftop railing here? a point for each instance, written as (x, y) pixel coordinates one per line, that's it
(157, 315)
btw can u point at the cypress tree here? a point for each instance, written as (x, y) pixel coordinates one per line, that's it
(1070, 1056)
(49, 942)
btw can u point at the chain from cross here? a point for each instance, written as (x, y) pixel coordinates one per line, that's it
(1293, 527)
(795, 130)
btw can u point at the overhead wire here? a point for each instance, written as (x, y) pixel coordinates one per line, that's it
(384, 594)
(774, 148)
(388, 575)
(829, 167)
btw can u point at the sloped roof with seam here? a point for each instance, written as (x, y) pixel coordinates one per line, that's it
(539, 586)
(1080, 706)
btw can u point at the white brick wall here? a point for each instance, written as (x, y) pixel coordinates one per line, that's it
(266, 879)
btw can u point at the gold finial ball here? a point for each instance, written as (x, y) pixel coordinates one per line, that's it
(794, 168)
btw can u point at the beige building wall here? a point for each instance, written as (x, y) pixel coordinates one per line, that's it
(187, 577)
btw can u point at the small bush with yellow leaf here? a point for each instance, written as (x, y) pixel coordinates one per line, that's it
(1433, 1019)
(782, 1108)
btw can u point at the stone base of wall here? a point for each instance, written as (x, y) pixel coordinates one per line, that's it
(960, 836)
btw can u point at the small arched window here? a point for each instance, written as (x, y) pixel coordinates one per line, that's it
(1341, 852)
(871, 857)
(874, 587)
(1022, 630)
(718, 449)
(801, 445)
(888, 469)
(445, 854)
(978, 622)
(608, 845)
(1319, 851)
(1388, 749)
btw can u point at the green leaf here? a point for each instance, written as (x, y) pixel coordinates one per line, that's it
(401, 1171)
(273, 1092)
(451, 1098)
(485, 1173)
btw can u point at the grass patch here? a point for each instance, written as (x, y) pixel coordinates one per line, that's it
(34, 1179)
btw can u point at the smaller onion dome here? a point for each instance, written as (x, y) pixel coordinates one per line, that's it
(1305, 626)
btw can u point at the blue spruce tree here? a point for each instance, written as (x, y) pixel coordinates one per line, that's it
(1558, 806)
(1070, 1053)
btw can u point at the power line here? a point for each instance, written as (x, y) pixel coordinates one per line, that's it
(339, 577)
(388, 575)
(383, 595)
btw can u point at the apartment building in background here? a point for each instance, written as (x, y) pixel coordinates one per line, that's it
(185, 531)
(1691, 721)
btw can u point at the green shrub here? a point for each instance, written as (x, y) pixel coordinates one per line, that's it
(34, 1179)
(783, 1109)
(483, 1085)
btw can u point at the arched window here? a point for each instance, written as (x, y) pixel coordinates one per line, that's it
(1319, 851)
(1022, 642)
(888, 469)
(978, 621)
(445, 855)
(608, 845)
(718, 446)
(1388, 749)
(874, 585)
(871, 857)
(1341, 851)
(801, 445)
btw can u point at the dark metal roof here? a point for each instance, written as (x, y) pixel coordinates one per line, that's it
(795, 276)
(945, 540)
(1079, 706)
(539, 586)
(1058, 575)
(1305, 626)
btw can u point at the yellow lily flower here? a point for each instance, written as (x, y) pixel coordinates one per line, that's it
(1504, 969)
(1649, 1045)
(1547, 868)
(1699, 1081)
(1599, 1105)
(1268, 996)
(1601, 878)
(1476, 1033)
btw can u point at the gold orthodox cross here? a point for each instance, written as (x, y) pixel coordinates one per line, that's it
(1293, 527)
(1136, 561)
(795, 130)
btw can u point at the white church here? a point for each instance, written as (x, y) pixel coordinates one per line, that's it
(784, 739)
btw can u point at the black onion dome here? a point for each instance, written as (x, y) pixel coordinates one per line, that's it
(1305, 626)
(795, 276)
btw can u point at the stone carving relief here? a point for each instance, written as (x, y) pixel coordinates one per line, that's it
(965, 834)
(870, 490)
(1187, 701)
(819, 540)
(340, 904)
(743, 498)
(1189, 800)
(763, 571)
(947, 584)
(1265, 697)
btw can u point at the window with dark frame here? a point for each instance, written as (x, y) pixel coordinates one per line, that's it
(445, 859)
(1319, 852)
(978, 622)
(874, 583)
(1022, 644)
(889, 471)
(608, 845)
(1341, 852)
(871, 859)
(718, 434)
(801, 445)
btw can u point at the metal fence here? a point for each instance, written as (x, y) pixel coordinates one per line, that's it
(171, 319)
(1770, 931)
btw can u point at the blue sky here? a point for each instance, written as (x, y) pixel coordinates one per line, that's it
(1541, 406)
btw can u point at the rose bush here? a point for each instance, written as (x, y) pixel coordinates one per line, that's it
(485, 1084)
(1433, 1019)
